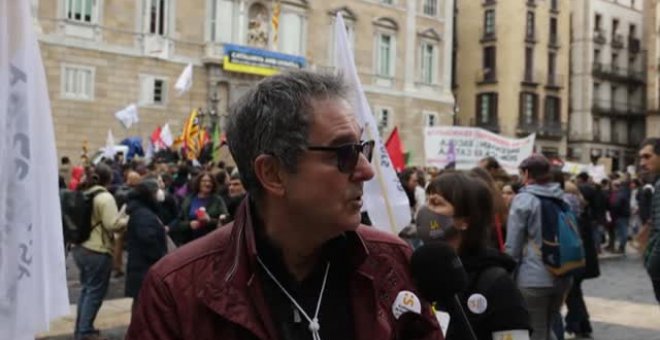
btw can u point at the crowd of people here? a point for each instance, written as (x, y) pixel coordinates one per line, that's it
(293, 256)
(142, 210)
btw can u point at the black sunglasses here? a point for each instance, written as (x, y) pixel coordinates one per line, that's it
(348, 154)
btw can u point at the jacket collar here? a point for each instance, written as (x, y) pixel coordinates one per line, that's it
(234, 291)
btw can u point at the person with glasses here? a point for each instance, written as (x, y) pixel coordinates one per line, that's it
(296, 263)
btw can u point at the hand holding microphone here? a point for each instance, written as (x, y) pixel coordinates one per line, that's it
(440, 276)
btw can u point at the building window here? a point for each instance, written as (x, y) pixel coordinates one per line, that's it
(157, 17)
(487, 109)
(430, 119)
(554, 38)
(80, 10)
(554, 5)
(428, 67)
(552, 65)
(77, 82)
(552, 110)
(291, 33)
(615, 26)
(597, 22)
(387, 2)
(385, 58)
(489, 23)
(529, 64)
(153, 90)
(431, 7)
(632, 32)
(528, 109)
(595, 127)
(222, 21)
(529, 31)
(615, 61)
(489, 63)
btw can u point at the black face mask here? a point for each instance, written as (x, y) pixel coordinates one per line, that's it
(442, 226)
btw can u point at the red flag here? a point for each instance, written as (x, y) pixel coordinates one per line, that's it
(395, 149)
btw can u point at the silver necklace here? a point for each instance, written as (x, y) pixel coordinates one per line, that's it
(314, 325)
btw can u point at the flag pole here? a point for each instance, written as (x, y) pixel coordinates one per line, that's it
(379, 176)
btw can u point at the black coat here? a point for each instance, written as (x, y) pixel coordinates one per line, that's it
(146, 243)
(490, 274)
(587, 223)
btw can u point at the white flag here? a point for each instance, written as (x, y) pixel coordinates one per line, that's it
(128, 115)
(166, 135)
(109, 151)
(184, 83)
(384, 197)
(33, 286)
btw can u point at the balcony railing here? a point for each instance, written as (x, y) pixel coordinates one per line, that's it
(555, 80)
(492, 125)
(599, 36)
(488, 36)
(634, 45)
(617, 41)
(617, 73)
(532, 77)
(552, 129)
(525, 128)
(554, 41)
(486, 76)
(607, 107)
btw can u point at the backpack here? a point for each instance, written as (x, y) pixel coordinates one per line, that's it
(77, 209)
(561, 250)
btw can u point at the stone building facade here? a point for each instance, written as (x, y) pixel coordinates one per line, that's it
(102, 55)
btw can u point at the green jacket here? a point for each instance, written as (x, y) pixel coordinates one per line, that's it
(180, 230)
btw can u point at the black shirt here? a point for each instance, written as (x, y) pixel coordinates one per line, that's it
(335, 314)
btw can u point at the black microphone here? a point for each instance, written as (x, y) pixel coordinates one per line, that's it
(439, 275)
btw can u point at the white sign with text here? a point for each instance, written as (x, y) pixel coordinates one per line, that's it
(470, 145)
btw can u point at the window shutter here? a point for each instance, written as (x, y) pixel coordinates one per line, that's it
(224, 21)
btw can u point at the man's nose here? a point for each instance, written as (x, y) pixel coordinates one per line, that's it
(363, 170)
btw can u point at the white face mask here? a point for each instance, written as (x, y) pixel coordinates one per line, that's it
(160, 195)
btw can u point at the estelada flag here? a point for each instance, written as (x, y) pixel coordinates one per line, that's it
(395, 150)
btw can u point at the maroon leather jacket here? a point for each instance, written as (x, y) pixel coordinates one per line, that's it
(209, 289)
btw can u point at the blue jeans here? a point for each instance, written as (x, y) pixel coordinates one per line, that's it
(95, 269)
(621, 226)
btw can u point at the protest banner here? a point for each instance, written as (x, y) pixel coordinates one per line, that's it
(470, 145)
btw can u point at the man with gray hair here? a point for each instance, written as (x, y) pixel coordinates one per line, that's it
(296, 263)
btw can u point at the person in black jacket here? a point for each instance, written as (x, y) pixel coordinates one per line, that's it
(145, 235)
(493, 303)
(620, 212)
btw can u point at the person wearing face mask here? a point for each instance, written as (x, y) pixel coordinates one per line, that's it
(463, 208)
(145, 235)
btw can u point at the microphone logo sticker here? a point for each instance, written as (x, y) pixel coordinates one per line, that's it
(477, 303)
(406, 302)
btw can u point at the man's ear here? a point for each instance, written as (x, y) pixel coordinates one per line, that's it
(269, 173)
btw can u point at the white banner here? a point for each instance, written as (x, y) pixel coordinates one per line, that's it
(386, 202)
(185, 80)
(128, 115)
(33, 287)
(473, 144)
